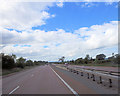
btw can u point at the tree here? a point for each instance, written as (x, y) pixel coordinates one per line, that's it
(117, 59)
(100, 57)
(7, 62)
(113, 54)
(36, 63)
(29, 63)
(87, 58)
(79, 61)
(14, 57)
(72, 61)
(62, 59)
(21, 62)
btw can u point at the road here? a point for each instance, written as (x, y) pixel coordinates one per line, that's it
(51, 80)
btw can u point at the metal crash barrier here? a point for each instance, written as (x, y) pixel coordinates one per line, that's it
(100, 78)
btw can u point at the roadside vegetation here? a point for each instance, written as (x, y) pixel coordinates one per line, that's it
(11, 64)
(100, 60)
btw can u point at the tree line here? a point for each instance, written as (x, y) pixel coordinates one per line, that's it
(100, 58)
(11, 61)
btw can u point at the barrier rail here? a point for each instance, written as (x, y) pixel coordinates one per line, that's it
(103, 71)
(106, 81)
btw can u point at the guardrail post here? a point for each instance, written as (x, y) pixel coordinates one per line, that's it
(110, 73)
(77, 72)
(110, 81)
(74, 71)
(81, 73)
(88, 75)
(100, 80)
(93, 77)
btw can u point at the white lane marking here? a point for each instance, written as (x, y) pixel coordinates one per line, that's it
(71, 89)
(14, 90)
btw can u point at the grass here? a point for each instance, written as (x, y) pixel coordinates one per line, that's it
(10, 71)
(5, 71)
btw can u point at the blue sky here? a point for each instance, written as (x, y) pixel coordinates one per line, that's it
(72, 16)
(47, 31)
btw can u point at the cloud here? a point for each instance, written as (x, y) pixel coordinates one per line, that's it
(71, 45)
(95, 4)
(97, 34)
(60, 4)
(89, 0)
(49, 45)
(88, 4)
(24, 15)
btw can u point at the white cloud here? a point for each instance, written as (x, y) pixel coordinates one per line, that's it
(60, 0)
(61, 43)
(60, 4)
(90, 0)
(24, 15)
(88, 4)
(97, 34)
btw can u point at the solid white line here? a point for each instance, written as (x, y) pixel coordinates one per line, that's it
(14, 90)
(71, 89)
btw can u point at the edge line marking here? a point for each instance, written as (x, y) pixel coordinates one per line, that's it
(71, 89)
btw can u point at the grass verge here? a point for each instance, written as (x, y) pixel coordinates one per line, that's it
(14, 70)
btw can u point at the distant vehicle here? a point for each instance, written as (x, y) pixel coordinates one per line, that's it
(66, 64)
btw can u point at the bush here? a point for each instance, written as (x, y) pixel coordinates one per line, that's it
(21, 62)
(8, 62)
(21, 65)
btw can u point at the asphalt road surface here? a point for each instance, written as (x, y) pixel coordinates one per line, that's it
(50, 80)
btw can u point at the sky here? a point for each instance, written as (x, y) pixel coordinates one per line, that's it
(50, 30)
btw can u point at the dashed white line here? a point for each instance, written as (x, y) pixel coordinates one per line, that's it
(71, 89)
(14, 90)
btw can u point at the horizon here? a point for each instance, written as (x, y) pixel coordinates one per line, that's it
(65, 57)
